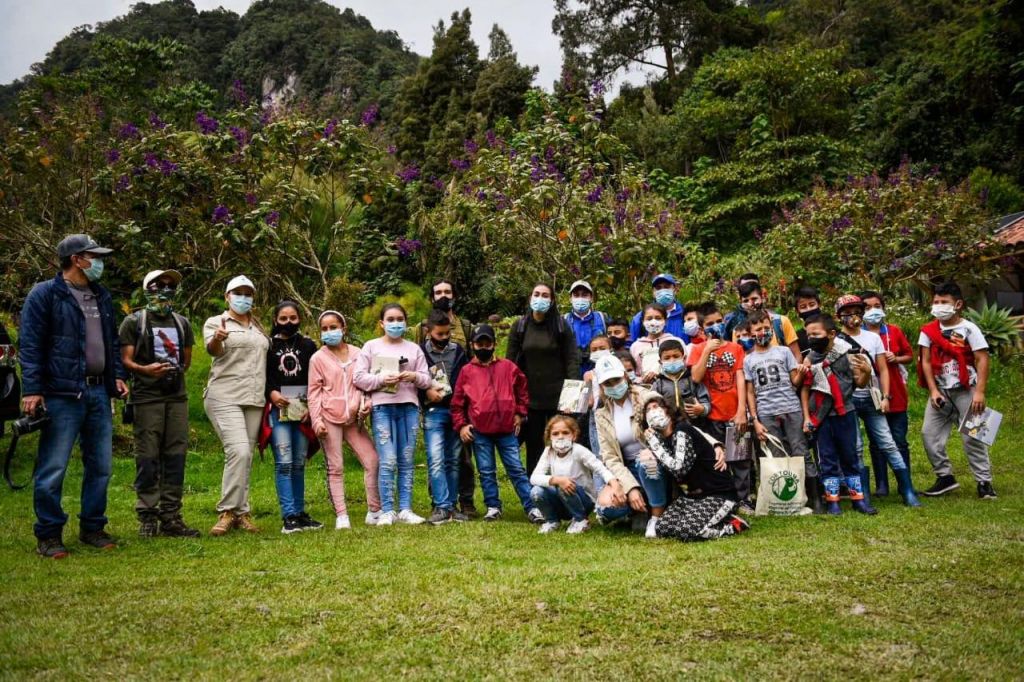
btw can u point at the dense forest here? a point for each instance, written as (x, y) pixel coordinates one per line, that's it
(301, 144)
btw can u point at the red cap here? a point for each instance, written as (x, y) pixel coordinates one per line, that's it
(847, 301)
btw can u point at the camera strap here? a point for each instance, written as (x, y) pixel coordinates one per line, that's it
(7, 463)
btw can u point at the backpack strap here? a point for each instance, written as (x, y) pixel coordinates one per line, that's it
(777, 326)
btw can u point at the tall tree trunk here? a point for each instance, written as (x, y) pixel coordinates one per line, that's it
(670, 63)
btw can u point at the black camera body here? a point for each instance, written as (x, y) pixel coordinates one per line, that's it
(30, 423)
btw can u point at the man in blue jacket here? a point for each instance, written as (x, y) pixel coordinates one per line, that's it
(71, 367)
(665, 289)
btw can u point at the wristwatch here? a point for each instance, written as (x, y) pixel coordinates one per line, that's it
(887, 396)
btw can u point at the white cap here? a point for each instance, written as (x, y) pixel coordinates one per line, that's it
(581, 283)
(608, 367)
(240, 281)
(157, 274)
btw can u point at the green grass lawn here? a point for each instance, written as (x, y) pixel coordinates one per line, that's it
(931, 593)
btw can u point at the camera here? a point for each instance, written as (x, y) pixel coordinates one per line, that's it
(170, 383)
(30, 423)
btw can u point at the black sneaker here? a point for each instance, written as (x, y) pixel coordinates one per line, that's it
(292, 525)
(985, 491)
(459, 517)
(439, 517)
(100, 539)
(942, 485)
(148, 528)
(176, 528)
(309, 523)
(51, 548)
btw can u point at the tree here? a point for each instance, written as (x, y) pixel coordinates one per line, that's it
(502, 84)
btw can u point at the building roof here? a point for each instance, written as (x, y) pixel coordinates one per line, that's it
(1011, 229)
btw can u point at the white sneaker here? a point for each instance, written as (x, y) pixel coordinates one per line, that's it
(372, 518)
(493, 514)
(407, 516)
(387, 518)
(652, 523)
(535, 516)
(548, 527)
(342, 522)
(577, 527)
(805, 511)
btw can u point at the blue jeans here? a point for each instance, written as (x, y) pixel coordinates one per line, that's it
(86, 420)
(837, 446)
(557, 505)
(507, 447)
(898, 427)
(443, 451)
(289, 446)
(394, 435)
(654, 487)
(878, 432)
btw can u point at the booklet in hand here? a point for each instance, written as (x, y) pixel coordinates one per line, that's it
(983, 426)
(574, 396)
(382, 364)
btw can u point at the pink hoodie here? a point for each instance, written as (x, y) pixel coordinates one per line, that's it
(372, 383)
(333, 396)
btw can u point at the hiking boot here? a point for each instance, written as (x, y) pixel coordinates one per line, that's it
(493, 514)
(985, 491)
(292, 525)
(459, 517)
(469, 509)
(148, 528)
(942, 485)
(535, 516)
(99, 539)
(440, 516)
(176, 527)
(244, 521)
(51, 548)
(309, 523)
(225, 522)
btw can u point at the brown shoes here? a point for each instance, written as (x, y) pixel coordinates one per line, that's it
(244, 521)
(225, 522)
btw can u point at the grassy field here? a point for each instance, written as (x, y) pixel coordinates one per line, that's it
(932, 593)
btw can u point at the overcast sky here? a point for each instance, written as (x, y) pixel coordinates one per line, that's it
(29, 28)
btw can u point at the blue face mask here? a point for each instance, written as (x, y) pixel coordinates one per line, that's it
(616, 392)
(581, 305)
(540, 305)
(332, 337)
(715, 331)
(691, 328)
(95, 269)
(240, 304)
(874, 316)
(632, 376)
(665, 297)
(395, 330)
(748, 344)
(673, 366)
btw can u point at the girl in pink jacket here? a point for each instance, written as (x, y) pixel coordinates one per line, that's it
(337, 410)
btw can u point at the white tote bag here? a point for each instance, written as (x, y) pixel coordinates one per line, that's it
(781, 490)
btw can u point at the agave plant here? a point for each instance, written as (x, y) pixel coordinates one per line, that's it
(1002, 329)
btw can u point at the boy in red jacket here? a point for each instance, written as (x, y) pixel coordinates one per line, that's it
(488, 408)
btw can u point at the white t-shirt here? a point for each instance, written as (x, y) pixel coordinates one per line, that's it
(622, 417)
(963, 332)
(579, 464)
(873, 346)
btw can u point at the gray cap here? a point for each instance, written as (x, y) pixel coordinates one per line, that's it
(80, 243)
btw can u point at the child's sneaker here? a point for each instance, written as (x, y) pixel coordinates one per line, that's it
(942, 485)
(439, 517)
(652, 523)
(372, 518)
(577, 527)
(985, 491)
(387, 518)
(342, 522)
(535, 516)
(410, 518)
(291, 525)
(548, 527)
(493, 514)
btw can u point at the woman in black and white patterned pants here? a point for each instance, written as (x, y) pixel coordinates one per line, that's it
(696, 461)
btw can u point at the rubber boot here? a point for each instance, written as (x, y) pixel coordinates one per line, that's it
(831, 485)
(906, 488)
(881, 474)
(857, 495)
(814, 494)
(865, 485)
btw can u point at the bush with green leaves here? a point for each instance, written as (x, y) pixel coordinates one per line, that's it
(1002, 329)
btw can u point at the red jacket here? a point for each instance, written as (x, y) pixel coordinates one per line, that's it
(895, 342)
(489, 397)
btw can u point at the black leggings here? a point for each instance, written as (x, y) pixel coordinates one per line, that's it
(532, 436)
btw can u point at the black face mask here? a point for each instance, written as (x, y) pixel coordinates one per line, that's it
(818, 344)
(439, 345)
(807, 314)
(287, 329)
(483, 354)
(443, 304)
(617, 342)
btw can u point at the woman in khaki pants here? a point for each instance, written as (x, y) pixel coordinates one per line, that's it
(234, 398)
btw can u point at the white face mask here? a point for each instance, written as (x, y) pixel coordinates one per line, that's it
(561, 445)
(654, 326)
(943, 311)
(657, 418)
(598, 354)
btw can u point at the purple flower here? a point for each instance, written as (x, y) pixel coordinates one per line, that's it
(241, 135)
(620, 216)
(604, 230)
(623, 196)
(392, 149)
(549, 153)
(238, 92)
(438, 184)
(720, 286)
(407, 247)
(607, 255)
(904, 231)
(207, 124)
(595, 194)
(492, 138)
(409, 173)
(587, 175)
(371, 115)
(460, 164)
(470, 146)
(113, 156)
(757, 234)
(222, 216)
(879, 218)
(330, 127)
(156, 123)
(481, 195)
(272, 218)
(151, 160)
(898, 264)
(597, 87)
(167, 167)
(122, 183)
(128, 131)
(940, 245)
(250, 199)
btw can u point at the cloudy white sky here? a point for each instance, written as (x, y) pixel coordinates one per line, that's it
(29, 28)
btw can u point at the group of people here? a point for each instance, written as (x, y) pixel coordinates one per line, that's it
(672, 395)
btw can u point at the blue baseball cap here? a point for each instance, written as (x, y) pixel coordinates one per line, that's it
(663, 277)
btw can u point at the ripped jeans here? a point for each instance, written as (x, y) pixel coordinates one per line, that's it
(394, 434)
(653, 484)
